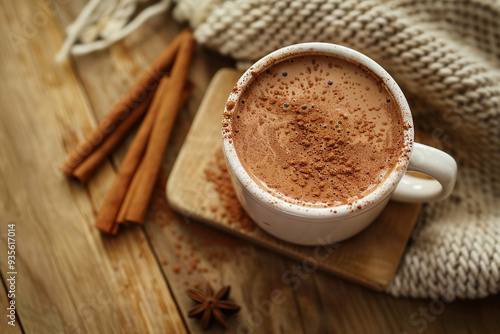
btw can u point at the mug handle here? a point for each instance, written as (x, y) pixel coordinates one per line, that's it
(433, 162)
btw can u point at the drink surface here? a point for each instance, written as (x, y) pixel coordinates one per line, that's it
(317, 130)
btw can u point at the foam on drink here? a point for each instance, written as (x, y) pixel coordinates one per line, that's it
(317, 130)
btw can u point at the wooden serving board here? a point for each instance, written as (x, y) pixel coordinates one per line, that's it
(369, 258)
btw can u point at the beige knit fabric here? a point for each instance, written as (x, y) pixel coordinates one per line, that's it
(446, 57)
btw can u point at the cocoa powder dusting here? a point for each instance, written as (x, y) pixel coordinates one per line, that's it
(230, 105)
(160, 211)
(232, 212)
(324, 138)
(197, 250)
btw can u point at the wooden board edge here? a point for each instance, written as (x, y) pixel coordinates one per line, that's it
(177, 206)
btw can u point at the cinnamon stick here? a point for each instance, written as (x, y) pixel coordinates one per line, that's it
(114, 200)
(120, 218)
(116, 194)
(133, 99)
(91, 163)
(146, 175)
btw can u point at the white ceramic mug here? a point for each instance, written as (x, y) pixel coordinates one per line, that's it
(311, 225)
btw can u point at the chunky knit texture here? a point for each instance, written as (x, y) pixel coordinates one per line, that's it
(446, 57)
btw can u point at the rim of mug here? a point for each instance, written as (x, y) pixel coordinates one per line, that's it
(360, 205)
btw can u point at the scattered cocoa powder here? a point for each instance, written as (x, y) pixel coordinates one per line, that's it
(232, 212)
(189, 237)
(160, 212)
(230, 105)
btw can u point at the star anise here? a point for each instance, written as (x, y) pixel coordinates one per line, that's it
(212, 305)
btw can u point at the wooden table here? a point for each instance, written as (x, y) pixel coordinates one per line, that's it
(72, 279)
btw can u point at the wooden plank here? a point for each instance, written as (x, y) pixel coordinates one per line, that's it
(164, 227)
(343, 303)
(4, 300)
(370, 258)
(70, 279)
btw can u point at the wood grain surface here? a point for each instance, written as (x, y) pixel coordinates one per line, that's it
(370, 258)
(72, 280)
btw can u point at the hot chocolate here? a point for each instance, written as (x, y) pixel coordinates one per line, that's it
(317, 130)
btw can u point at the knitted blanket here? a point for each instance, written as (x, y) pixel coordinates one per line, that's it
(445, 55)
